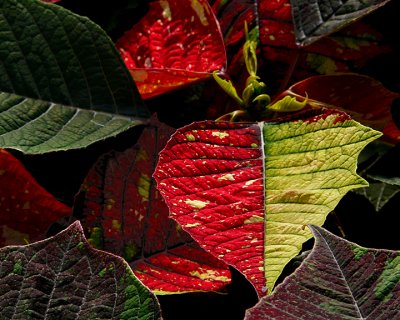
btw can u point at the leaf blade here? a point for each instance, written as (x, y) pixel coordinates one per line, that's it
(338, 280)
(217, 179)
(33, 285)
(50, 55)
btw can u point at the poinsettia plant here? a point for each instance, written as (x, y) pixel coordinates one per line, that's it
(198, 159)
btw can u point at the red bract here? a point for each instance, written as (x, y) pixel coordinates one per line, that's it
(364, 98)
(210, 175)
(125, 214)
(27, 209)
(174, 44)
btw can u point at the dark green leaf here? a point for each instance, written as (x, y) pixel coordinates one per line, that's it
(61, 78)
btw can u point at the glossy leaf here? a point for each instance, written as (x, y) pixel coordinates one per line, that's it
(316, 19)
(176, 43)
(27, 209)
(63, 84)
(123, 213)
(63, 277)
(245, 191)
(364, 98)
(338, 280)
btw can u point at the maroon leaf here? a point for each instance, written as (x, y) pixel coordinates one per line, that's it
(364, 98)
(64, 278)
(125, 214)
(27, 209)
(338, 280)
(175, 44)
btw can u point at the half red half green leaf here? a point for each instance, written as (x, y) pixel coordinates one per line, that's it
(246, 191)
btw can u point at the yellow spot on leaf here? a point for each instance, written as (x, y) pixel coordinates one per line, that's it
(109, 204)
(209, 274)
(254, 145)
(196, 203)
(116, 225)
(2, 172)
(253, 219)
(166, 9)
(250, 182)
(199, 9)
(192, 225)
(228, 176)
(144, 187)
(190, 137)
(27, 205)
(220, 134)
(142, 155)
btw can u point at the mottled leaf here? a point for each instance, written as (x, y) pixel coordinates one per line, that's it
(64, 278)
(174, 44)
(246, 191)
(27, 209)
(123, 213)
(338, 280)
(63, 84)
(316, 19)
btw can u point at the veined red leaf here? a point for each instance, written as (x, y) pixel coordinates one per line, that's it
(338, 280)
(124, 214)
(174, 44)
(64, 278)
(245, 191)
(27, 209)
(362, 97)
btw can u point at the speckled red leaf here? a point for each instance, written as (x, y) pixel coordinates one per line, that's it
(215, 206)
(124, 214)
(27, 209)
(364, 98)
(176, 43)
(63, 277)
(338, 280)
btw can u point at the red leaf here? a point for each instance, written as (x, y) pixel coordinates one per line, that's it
(364, 98)
(196, 181)
(27, 209)
(125, 214)
(175, 44)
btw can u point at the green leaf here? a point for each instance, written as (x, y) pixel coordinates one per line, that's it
(63, 84)
(309, 166)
